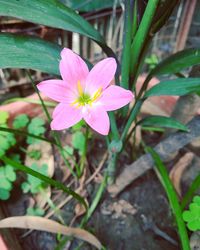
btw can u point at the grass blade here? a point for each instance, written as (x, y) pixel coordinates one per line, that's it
(172, 196)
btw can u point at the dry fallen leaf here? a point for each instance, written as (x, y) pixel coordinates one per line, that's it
(178, 170)
(42, 224)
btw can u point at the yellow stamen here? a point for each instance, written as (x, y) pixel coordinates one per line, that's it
(80, 89)
(96, 95)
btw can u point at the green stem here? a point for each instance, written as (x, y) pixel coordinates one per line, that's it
(142, 33)
(172, 196)
(44, 178)
(113, 124)
(95, 201)
(126, 46)
(55, 135)
(84, 155)
(133, 114)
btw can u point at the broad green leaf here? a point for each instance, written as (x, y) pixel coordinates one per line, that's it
(18, 51)
(179, 87)
(50, 13)
(44, 178)
(20, 121)
(177, 62)
(163, 122)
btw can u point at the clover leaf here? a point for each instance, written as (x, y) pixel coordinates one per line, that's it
(7, 140)
(192, 216)
(20, 121)
(3, 117)
(4, 194)
(36, 127)
(35, 211)
(7, 176)
(34, 184)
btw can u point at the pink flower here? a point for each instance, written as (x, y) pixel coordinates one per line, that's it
(83, 94)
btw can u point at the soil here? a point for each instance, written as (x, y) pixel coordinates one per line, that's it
(138, 219)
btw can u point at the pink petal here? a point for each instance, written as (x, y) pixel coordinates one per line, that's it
(65, 116)
(101, 75)
(56, 90)
(115, 97)
(97, 118)
(72, 68)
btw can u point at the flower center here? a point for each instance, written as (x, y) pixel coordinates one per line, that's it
(85, 98)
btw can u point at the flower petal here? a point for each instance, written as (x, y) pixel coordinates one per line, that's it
(72, 68)
(115, 97)
(56, 90)
(97, 118)
(101, 75)
(65, 116)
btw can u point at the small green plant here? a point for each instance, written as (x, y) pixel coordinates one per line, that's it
(36, 127)
(7, 177)
(35, 211)
(152, 61)
(192, 216)
(33, 184)
(7, 140)
(20, 121)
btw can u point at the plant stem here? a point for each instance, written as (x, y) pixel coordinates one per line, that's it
(95, 201)
(84, 155)
(55, 135)
(142, 33)
(133, 114)
(126, 47)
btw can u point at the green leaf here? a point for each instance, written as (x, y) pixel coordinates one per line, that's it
(5, 184)
(35, 154)
(4, 194)
(7, 140)
(192, 216)
(10, 173)
(35, 211)
(17, 51)
(20, 121)
(162, 121)
(78, 141)
(35, 183)
(25, 187)
(179, 87)
(50, 13)
(36, 127)
(177, 62)
(88, 6)
(3, 117)
(162, 174)
(44, 178)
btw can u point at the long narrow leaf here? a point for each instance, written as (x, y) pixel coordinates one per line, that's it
(50, 13)
(175, 87)
(162, 121)
(44, 178)
(177, 62)
(172, 196)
